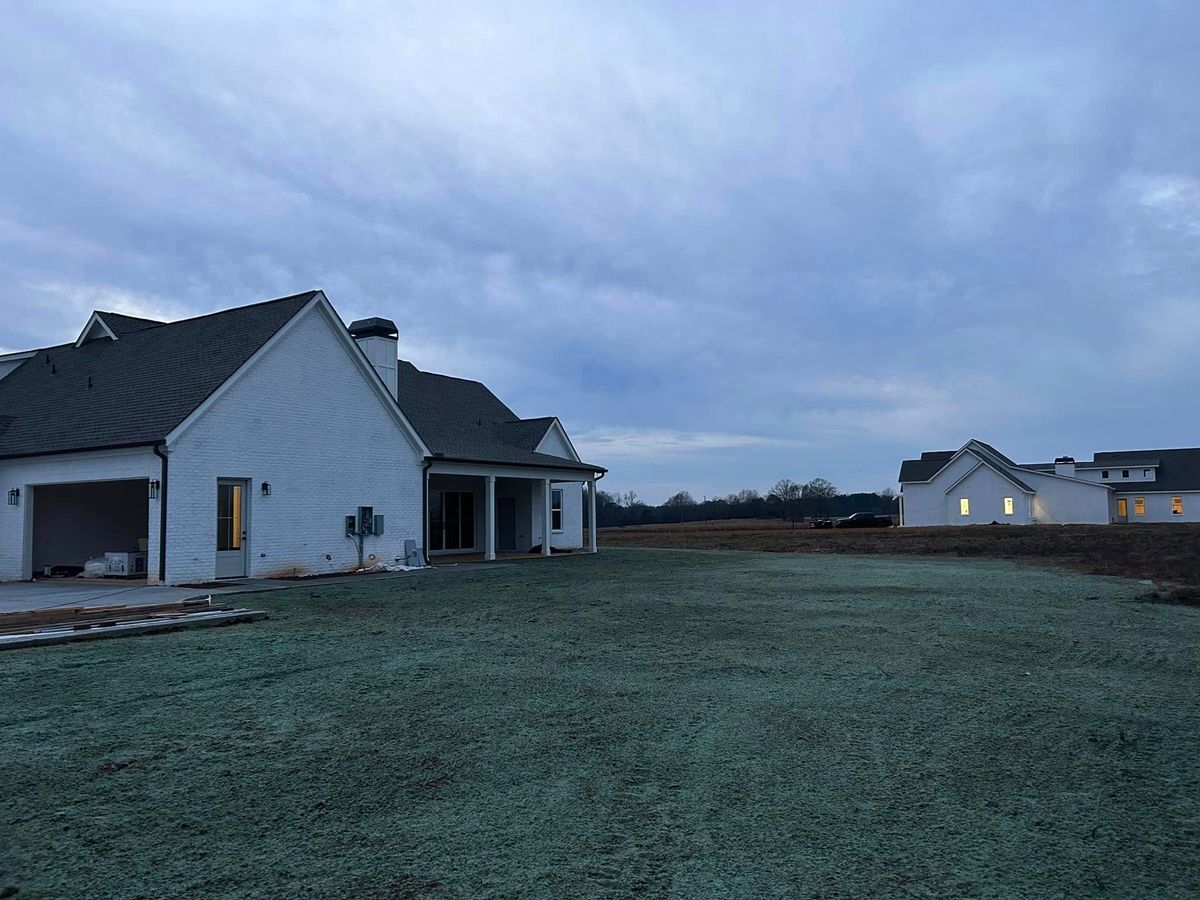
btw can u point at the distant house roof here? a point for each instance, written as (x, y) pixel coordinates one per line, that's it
(464, 421)
(930, 463)
(1177, 470)
(134, 390)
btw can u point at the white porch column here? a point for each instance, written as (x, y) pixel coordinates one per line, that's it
(490, 512)
(546, 497)
(592, 515)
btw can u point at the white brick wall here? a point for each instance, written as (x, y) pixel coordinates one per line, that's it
(16, 521)
(304, 419)
(571, 536)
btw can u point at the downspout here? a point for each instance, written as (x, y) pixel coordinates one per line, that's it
(159, 451)
(425, 467)
(596, 506)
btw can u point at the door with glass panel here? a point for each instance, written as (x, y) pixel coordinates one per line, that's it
(231, 528)
(451, 520)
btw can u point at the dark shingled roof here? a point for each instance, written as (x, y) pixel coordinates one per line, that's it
(462, 420)
(121, 324)
(133, 390)
(1178, 470)
(930, 463)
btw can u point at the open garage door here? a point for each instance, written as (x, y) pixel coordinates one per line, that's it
(73, 523)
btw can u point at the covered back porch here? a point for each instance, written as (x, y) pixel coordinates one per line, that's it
(489, 509)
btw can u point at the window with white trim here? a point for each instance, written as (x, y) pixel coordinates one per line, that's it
(1177, 506)
(1008, 506)
(964, 506)
(1139, 506)
(556, 517)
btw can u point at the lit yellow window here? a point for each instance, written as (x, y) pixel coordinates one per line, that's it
(1139, 506)
(1008, 506)
(964, 507)
(1123, 508)
(1177, 506)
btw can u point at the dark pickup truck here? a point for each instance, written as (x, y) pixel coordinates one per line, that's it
(864, 520)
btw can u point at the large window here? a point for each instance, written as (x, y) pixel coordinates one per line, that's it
(1139, 506)
(451, 520)
(1008, 506)
(1177, 506)
(964, 507)
(556, 510)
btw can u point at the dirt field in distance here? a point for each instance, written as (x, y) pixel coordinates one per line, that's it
(1168, 553)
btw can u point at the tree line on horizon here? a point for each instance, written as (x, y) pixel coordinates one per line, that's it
(786, 499)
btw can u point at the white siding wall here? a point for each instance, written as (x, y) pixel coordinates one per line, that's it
(16, 522)
(1136, 476)
(1064, 502)
(554, 445)
(925, 504)
(571, 536)
(305, 419)
(985, 490)
(1158, 506)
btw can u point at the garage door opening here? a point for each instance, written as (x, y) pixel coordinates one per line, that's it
(73, 523)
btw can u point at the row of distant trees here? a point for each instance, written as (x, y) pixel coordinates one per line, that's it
(788, 500)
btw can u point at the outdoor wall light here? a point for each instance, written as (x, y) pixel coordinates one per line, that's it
(266, 489)
(14, 497)
(154, 485)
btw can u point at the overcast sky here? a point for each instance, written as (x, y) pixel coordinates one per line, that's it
(725, 243)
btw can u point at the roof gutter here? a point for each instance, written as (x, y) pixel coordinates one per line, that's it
(95, 449)
(437, 457)
(160, 452)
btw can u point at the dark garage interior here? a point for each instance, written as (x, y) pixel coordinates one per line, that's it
(73, 523)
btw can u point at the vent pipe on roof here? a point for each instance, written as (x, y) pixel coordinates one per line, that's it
(1065, 465)
(378, 339)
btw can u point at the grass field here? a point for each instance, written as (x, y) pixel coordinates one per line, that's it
(1167, 553)
(662, 723)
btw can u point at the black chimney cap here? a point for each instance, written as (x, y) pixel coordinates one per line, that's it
(374, 327)
(1065, 459)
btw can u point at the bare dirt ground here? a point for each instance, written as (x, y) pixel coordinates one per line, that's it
(1168, 554)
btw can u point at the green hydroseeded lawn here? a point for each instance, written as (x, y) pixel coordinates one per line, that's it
(656, 723)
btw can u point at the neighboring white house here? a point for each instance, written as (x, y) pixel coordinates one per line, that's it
(977, 484)
(267, 440)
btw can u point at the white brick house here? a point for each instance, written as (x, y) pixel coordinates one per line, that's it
(237, 444)
(977, 484)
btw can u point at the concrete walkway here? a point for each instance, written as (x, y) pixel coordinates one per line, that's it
(49, 592)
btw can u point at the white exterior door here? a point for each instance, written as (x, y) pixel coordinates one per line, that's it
(231, 528)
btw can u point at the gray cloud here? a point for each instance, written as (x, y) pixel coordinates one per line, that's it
(767, 241)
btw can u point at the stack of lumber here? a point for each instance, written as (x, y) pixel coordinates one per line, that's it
(56, 625)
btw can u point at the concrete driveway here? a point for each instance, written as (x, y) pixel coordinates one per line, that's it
(51, 592)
